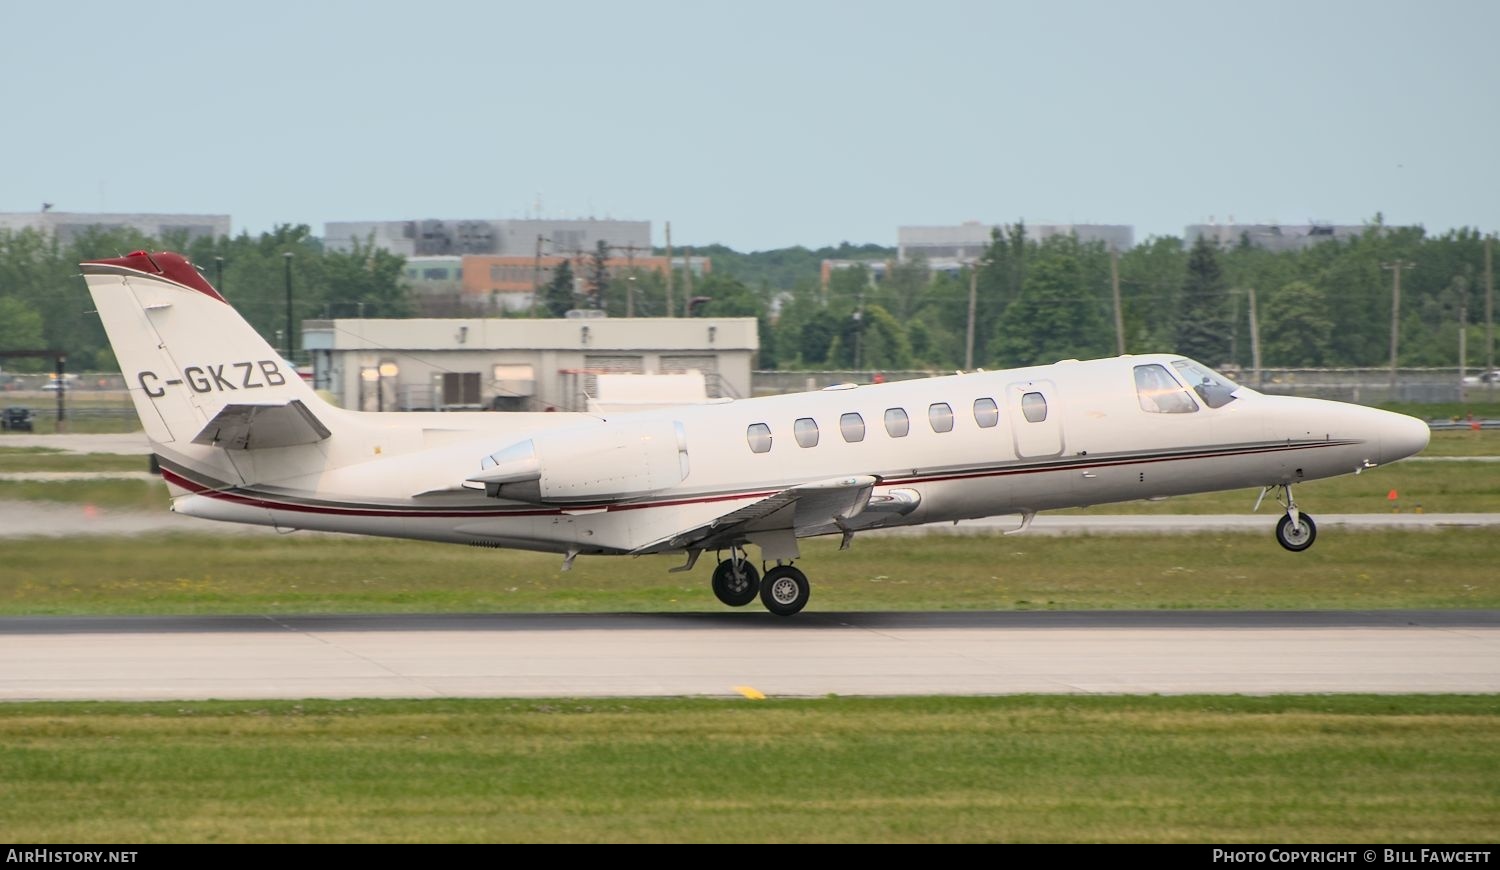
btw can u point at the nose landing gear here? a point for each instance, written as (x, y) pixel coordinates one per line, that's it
(1295, 531)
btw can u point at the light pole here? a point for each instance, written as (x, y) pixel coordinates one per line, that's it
(974, 268)
(288, 259)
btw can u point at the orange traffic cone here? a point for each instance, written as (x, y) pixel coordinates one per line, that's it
(1391, 497)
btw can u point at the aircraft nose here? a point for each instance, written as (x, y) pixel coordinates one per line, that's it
(1401, 436)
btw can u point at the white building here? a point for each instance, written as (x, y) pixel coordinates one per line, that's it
(1272, 237)
(518, 364)
(948, 246)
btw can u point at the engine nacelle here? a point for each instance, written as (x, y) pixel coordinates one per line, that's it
(608, 462)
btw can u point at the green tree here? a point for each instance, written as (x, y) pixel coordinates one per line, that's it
(20, 326)
(1203, 327)
(1296, 326)
(1058, 314)
(557, 297)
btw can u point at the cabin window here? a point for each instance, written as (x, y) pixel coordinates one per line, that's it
(986, 413)
(1034, 407)
(1159, 393)
(897, 424)
(759, 436)
(940, 415)
(805, 430)
(852, 426)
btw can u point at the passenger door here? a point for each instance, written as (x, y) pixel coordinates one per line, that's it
(1035, 419)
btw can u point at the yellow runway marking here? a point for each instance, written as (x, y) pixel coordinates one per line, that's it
(751, 692)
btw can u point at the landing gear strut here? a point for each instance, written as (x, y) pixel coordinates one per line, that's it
(1296, 531)
(735, 581)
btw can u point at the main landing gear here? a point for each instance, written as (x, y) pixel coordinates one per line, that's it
(784, 590)
(1295, 531)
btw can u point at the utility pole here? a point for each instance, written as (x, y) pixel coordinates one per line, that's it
(1489, 310)
(973, 302)
(288, 259)
(687, 283)
(670, 312)
(1463, 328)
(1254, 338)
(630, 278)
(1395, 268)
(536, 275)
(1114, 288)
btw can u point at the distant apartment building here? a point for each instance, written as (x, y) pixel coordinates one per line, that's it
(67, 226)
(512, 238)
(945, 247)
(1272, 237)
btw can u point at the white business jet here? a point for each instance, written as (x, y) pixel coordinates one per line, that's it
(240, 438)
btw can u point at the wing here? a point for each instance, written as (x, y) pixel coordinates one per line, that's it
(807, 509)
(251, 427)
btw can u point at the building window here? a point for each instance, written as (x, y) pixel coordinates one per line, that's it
(897, 424)
(460, 388)
(805, 430)
(759, 436)
(986, 413)
(1159, 393)
(853, 427)
(940, 415)
(1034, 407)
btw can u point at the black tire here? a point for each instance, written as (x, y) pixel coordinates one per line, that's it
(1296, 538)
(736, 591)
(785, 590)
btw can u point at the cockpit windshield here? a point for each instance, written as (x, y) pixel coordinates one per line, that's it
(1214, 389)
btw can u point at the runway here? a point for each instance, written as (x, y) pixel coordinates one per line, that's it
(721, 654)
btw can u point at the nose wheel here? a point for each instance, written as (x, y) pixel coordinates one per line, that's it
(1296, 535)
(1295, 531)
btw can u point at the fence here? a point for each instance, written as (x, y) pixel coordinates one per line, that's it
(1367, 386)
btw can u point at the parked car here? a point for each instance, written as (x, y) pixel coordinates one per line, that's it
(17, 420)
(1490, 377)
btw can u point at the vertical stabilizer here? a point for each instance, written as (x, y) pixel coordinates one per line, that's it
(185, 353)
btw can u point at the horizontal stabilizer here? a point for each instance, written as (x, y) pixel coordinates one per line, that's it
(255, 427)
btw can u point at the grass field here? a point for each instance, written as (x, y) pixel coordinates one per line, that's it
(328, 574)
(1183, 769)
(50, 459)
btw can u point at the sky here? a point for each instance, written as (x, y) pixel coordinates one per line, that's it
(757, 125)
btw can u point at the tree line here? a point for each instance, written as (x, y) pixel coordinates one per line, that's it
(1034, 301)
(44, 304)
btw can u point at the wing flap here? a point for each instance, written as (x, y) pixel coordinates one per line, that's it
(255, 427)
(802, 510)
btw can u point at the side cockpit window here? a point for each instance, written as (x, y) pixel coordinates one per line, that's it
(1159, 393)
(1214, 389)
